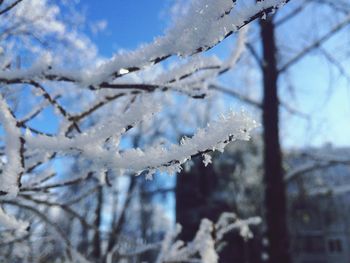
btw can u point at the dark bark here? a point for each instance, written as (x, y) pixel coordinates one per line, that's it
(197, 198)
(275, 192)
(96, 253)
(146, 220)
(193, 198)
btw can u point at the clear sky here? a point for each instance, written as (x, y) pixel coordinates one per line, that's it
(129, 22)
(132, 22)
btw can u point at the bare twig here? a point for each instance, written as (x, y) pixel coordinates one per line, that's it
(8, 8)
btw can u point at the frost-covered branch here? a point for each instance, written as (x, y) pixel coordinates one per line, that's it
(11, 223)
(73, 122)
(206, 240)
(215, 137)
(204, 26)
(13, 169)
(203, 248)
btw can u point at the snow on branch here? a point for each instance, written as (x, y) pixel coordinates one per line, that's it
(90, 144)
(11, 223)
(206, 240)
(13, 168)
(189, 78)
(95, 136)
(202, 249)
(97, 103)
(206, 24)
(192, 76)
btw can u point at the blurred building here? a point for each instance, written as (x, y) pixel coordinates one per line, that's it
(319, 205)
(318, 184)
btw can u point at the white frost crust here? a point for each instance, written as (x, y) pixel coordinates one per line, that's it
(13, 167)
(214, 137)
(11, 223)
(204, 243)
(203, 26)
(94, 137)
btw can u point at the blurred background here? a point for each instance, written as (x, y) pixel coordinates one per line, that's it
(294, 173)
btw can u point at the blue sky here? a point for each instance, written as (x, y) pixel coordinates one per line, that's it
(133, 22)
(129, 22)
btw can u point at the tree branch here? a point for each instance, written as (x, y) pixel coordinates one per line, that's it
(314, 45)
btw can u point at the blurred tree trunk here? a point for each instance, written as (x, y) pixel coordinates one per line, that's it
(197, 198)
(275, 192)
(96, 253)
(146, 219)
(193, 191)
